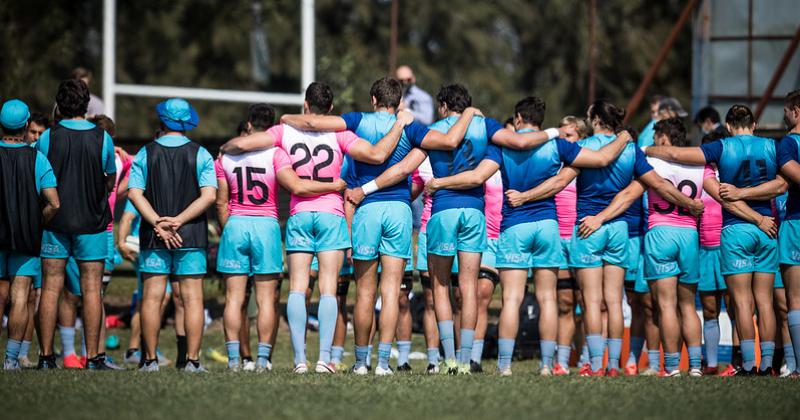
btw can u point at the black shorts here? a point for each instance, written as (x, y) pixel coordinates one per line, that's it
(564, 284)
(408, 282)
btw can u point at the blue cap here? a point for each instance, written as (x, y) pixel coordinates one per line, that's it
(14, 115)
(177, 114)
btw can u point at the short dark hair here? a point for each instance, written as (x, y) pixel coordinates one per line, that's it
(740, 116)
(630, 129)
(707, 113)
(531, 109)
(80, 73)
(319, 97)
(39, 119)
(712, 137)
(656, 99)
(793, 99)
(509, 121)
(455, 96)
(241, 128)
(72, 98)
(105, 123)
(674, 129)
(261, 116)
(610, 115)
(13, 131)
(387, 92)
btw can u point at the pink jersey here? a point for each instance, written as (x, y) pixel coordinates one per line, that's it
(688, 180)
(316, 156)
(711, 221)
(493, 208)
(565, 210)
(252, 184)
(422, 176)
(123, 167)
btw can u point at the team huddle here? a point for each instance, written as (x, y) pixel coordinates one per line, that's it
(578, 212)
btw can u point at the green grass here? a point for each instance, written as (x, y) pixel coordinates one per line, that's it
(171, 395)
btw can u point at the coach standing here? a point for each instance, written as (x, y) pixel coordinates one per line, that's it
(416, 100)
(82, 157)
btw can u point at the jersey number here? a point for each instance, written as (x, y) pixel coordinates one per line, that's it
(671, 207)
(307, 158)
(745, 176)
(251, 185)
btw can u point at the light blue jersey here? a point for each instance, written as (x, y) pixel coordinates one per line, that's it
(647, 136)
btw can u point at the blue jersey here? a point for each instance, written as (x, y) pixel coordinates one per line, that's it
(636, 217)
(206, 176)
(596, 187)
(744, 161)
(372, 126)
(522, 170)
(788, 151)
(647, 136)
(465, 157)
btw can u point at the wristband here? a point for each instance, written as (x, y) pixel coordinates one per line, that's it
(551, 133)
(370, 187)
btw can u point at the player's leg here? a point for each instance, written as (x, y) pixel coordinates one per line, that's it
(690, 326)
(667, 291)
(330, 264)
(153, 291)
(52, 285)
(299, 263)
(235, 285)
(591, 283)
(652, 334)
(487, 278)
(5, 293)
(392, 270)
(266, 289)
(340, 334)
(740, 288)
(244, 331)
(566, 323)
(17, 318)
(67, 320)
(92, 313)
(404, 322)
(613, 279)
(194, 317)
(429, 325)
(545, 280)
(791, 281)
(763, 284)
(180, 325)
(366, 274)
(710, 302)
(33, 301)
(513, 283)
(439, 269)
(782, 333)
(637, 331)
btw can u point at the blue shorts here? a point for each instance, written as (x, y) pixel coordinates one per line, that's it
(72, 277)
(180, 262)
(347, 269)
(382, 228)
(15, 264)
(788, 240)
(671, 252)
(608, 245)
(489, 257)
(709, 270)
(530, 245)
(422, 254)
(250, 245)
(84, 247)
(453, 230)
(747, 249)
(635, 272)
(111, 256)
(566, 243)
(313, 231)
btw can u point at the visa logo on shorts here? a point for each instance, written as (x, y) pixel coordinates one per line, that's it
(795, 256)
(742, 263)
(446, 247)
(299, 241)
(50, 249)
(515, 258)
(666, 268)
(153, 262)
(365, 249)
(589, 258)
(230, 264)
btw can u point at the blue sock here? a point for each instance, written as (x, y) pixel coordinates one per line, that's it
(12, 349)
(83, 345)
(548, 349)
(597, 346)
(336, 354)
(23, 348)
(584, 354)
(671, 361)
(296, 313)
(361, 356)
(477, 351)
(767, 351)
(433, 355)
(458, 355)
(467, 337)
(384, 351)
(695, 356)
(794, 331)
(446, 336)
(637, 343)
(614, 352)
(67, 340)
(233, 352)
(369, 355)
(563, 355)
(505, 349)
(748, 354)
(327, 314)
(264, 349)
(403, 350)
(654, 359)
(711, 336)
(788, 355)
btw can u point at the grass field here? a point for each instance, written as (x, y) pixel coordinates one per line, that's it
(69, 394)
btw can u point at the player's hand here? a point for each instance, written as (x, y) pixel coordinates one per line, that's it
(767, 225)
(515, 198)
(122, 153)
(405, 118)
(126, 252)
(697, 208)
(563, 131)
(355, 196)
(431, 187)
(625, 134)
(173, 222)
(474, 111)
(589, 225)
(340, 185)
(729, 193)
(166, 231)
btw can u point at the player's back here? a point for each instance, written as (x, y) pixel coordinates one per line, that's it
(252, 184)
(596, 187)
(688, 179)
(748, 161)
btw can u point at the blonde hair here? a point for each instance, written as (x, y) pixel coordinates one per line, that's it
(580, 125)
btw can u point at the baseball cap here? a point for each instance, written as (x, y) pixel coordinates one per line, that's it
(177, 114)
(15, 114)
(672, 104)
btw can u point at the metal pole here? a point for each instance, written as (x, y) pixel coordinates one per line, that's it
(662, 55)
(308, 64)
(393, 38)
(776, 76)
(109, 55)
(592, 47)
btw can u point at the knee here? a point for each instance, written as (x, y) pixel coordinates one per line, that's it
(565, 307)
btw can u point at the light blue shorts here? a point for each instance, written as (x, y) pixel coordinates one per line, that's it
(709, 269)
(16, 264)
(250, 245)
(671, 251)
(84, 247)
(566, 243)
(747, 249)
(608, 245)
(180, 262)
(530, 245)
(789, 242)
(453, 230)
(72, 277)
(635, 272)
(422, 254)
(313, 231)
(382, 228)
(111, 257)
(489, 257)
(347, 269)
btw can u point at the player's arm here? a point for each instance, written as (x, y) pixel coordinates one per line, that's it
(300, 187)
(546, 189)
(740, 209)
(791, 171)
(111, 179)
(763, 192)
(242, 144)
(124, 230)
(52, 203)
(397, 173)
(436, 140)
(588, 158)
(685, 155)
(621, 202)
(668, 192)
(416, 190)
(309, 122)
(170, 236)
(525, 141)
(222, 200)
(465, 180)
(375, 154)
(122, 190)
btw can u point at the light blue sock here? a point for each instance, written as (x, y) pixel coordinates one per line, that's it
(788, 355)
(369, 355)
(361, 356)
(563, 355)
(233, 353)
(433, 355)
(597, 346)
(327, 313)
(336, 354)
(23, 349)
(767, 351)
(654, 359)
(584, 354)
(548, 349)
(403, 350)
(12, 349)
(748, 354)
(614, 352)
(296, 313)
(637, 343)
(458, 354)
(711, 335)
(477, 351)
(264, 350)
(671, 361)
(695, 356)
(467, 337)
(67, 340)
(794, 331)
(384, 351)
(505, 349)
(446, 336)
(83, 344)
